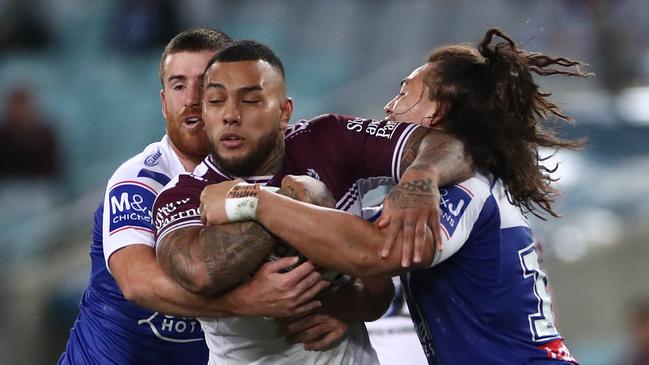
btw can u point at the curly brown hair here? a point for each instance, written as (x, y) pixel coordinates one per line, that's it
(492, 103)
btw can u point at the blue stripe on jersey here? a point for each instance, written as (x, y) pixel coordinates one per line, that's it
(160, 178)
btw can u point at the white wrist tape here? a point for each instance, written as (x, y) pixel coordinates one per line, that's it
(241, 202)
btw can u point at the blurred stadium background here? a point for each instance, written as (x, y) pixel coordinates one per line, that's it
(91, 70)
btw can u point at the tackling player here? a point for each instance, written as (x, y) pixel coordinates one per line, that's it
(246, 114)
(483, 300)
(113, 325)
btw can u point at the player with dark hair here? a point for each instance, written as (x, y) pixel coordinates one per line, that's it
(483, 298)
(246, 113)
(116, 323)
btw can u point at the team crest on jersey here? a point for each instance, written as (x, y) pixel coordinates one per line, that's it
(313, 173)
(152, 160)
(453, 203)
(130, 206)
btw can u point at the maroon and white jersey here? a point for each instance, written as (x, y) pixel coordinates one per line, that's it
(177, 206)
(246, 340)
(349, 155)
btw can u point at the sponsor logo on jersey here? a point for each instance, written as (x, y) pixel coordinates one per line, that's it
(130, 205)
(152, 160)
(453, 203)
(173, 212)
(173, 329)
(376, 128)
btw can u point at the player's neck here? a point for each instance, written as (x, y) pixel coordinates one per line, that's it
(189, 163)
(273, 162)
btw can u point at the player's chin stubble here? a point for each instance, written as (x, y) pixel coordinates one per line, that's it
(249, 164)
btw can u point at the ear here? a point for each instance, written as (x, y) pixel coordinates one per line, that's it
(286, 110)
(443, 107)
(164, 105)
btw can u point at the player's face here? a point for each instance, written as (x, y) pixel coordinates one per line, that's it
(245, 110)
(182, 80)
(412, 104)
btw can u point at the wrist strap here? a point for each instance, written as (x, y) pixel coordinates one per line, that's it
(241, 201)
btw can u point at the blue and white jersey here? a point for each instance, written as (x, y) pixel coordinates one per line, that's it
(484, 298)
(109, 329)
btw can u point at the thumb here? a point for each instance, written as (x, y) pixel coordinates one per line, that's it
(383, 221)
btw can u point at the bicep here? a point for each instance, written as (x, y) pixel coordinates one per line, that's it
(131, 266)
(432, 147)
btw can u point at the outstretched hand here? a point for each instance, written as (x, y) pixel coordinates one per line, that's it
(409, 211)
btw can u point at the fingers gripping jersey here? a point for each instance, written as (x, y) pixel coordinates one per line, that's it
(484, 299)
(110, 329)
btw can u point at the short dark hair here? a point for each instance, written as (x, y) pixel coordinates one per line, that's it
(195, 40)
(248, 50)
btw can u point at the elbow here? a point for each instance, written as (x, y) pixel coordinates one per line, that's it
(136, 293)
(131, 294)
(197, 283)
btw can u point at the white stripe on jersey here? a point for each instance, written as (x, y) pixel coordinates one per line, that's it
(398, 151)
(174, 227)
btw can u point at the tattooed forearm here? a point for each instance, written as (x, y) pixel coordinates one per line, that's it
(234, 251)
(416, 193)
(209, 260)
(435, 149)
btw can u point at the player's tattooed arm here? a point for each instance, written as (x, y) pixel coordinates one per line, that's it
(210, 260)
(430, 158)
(437, 153)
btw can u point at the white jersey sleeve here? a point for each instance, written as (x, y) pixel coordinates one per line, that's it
(130, 194)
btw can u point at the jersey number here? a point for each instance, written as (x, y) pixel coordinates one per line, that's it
(541, 322)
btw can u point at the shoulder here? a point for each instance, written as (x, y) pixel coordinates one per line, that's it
(511, 215)
(464, 202)
(153, 167)
(186, 185)
(323, 121)
(482, 194)
(337, 125)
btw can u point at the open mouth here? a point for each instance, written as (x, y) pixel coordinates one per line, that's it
(192, 122)
(231, 140)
